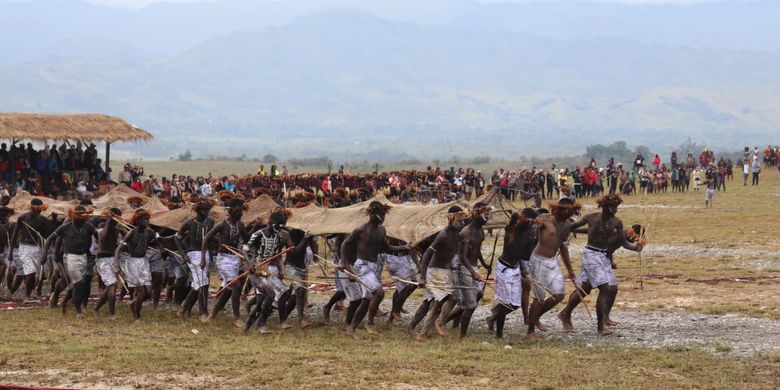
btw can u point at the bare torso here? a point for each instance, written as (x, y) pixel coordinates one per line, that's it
(519, 243)
(371, 241)
(138, 241)
(600, 229)
(108, 239)
(551, 234)
(195, 231)
(76, 237)
(231, 234)
(445, 246)
(470, 239)
(29, 227)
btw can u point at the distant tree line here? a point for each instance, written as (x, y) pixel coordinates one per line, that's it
(619, 150)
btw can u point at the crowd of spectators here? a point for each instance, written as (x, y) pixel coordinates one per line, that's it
(62, 171)
(75, 171)
(435, 185)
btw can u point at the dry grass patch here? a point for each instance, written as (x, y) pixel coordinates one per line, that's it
(163, 352)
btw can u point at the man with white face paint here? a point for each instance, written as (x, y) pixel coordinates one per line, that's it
(370, 240)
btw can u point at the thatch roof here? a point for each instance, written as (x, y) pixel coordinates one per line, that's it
(81, 127)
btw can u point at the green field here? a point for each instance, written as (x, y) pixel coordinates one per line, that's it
(692, 265)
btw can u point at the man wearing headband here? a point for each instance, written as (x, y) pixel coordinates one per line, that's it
(596, 266)
(553, 232)
(370, 240)
(189, 240)
(135, 264)
(436, 273)
(108, 240)
(296, 268)
(265, 246)
(511, 281)
(633, 235)
(30, 230)
(232, 234)
(467, 263)
(74, 239)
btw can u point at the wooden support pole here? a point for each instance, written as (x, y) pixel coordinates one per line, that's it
(108, 159)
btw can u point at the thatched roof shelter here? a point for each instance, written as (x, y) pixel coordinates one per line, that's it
(81, 127)
(71, 127)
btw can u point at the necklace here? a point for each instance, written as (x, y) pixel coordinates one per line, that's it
(233, 232)
(603, 231)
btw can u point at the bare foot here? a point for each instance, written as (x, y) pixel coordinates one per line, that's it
(542, 327)
(285, 325)
(463, 339)
(421, 337)
(531, 337)
(203, 318)
(264, 330)
(351, 333)
(79, 315)
(95, 312)
(566, 321)
(491, 321)
(441, 329)
(609, 322)
(238, 323)
(370, 329)
(113, 318)
(303, 324)
(180, 314)
(396, 317)
(209, 319)
(410, 332)
(325, 315)
(381, 313)
(605, 332)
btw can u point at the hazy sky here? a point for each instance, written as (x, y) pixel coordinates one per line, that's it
(141, 3)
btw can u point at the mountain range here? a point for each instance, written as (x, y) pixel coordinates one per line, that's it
(381, 80)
